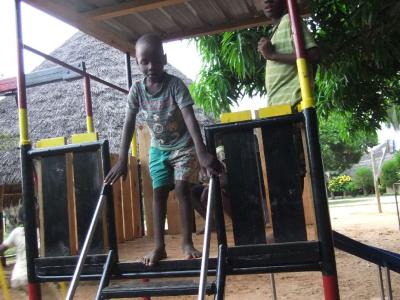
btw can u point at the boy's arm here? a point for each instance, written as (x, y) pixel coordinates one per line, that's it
(267, 50)
(206, 160)
(121, 167)
(3, 248)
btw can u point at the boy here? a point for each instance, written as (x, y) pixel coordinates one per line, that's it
(281, 77)
(167, 108)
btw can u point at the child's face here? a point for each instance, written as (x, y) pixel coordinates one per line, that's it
(151, 61)
(273, 9)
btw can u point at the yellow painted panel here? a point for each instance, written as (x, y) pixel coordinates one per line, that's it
(274, 111)
(51, 142)
(134, 145)
(84, 137)
(244, 115)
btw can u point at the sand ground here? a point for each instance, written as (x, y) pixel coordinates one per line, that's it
(358, 279)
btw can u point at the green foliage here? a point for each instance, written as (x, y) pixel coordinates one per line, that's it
(339, 183)
(340, 150)
(390, 173)
(359, 73)
(364, 179)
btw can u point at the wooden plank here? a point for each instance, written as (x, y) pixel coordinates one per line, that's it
(135, 196)
(88, 183)
(264, 175)
(73, 237)
(1, 214)
(53, 203)
(117, 195)
(147, 189)
(67, 13)
(245, 195)
(173, 215)
(128, 8)
(282, 165)
(127, 208)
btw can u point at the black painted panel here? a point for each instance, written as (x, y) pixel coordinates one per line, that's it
(284, 183)
(244, 188)
(55, 206)
(88, 184)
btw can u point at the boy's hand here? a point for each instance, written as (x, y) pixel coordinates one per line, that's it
(210, 163)
(119, 169)
(265, 48)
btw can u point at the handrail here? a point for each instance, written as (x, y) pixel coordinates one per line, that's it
(86, 244)
(206, 243)
(372, 254)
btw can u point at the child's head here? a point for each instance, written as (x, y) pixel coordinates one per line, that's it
(273, 9)
(150, 56)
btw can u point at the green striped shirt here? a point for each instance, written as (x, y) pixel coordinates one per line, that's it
(281, 80)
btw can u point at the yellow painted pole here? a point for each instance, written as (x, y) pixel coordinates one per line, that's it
(3, 284)
(134, 145)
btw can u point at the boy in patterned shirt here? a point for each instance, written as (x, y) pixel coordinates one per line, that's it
(166, 105)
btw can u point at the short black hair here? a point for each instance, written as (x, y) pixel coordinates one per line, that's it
(151, 40)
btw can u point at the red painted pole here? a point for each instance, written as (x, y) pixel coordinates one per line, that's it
(33, 287)
(329, 273)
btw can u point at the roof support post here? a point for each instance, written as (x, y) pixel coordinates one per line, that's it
(88, 100)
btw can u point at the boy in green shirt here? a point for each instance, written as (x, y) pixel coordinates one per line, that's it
(281, 78)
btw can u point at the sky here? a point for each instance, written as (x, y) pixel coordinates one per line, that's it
(46, 33)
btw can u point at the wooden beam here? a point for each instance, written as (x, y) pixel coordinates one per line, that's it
(208, 30)
(128, 8)
(66, 13)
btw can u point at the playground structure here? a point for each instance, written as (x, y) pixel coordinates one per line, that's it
(292, 250)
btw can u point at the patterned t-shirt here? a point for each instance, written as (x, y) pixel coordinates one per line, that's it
(281, 80)
(162, 111)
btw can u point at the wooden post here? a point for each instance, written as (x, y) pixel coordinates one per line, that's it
(135, 196)
(144, 138)
(116, 187)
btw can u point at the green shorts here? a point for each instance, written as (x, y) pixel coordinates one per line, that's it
(166, 167)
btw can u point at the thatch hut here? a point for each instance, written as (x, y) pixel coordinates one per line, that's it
(58, 109)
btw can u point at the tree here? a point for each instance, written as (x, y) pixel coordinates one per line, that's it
(390, 173)
(363, 179)
(339, 149)
(359, 74)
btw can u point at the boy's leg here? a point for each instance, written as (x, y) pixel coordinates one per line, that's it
(162, 180)
(182, 192)
(160, 196)
(186, 170)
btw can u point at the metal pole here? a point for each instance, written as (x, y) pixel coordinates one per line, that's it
(72, 68)
(88, 100)
(397, 204)
(329, 273)
(272, 276)
(389, 284)
(381, 288)
(206, 243)
(26, 165)
(85, 248)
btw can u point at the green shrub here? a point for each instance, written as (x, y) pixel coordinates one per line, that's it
(364, 180)
(339, 183)
(351, 189)
(390, 173)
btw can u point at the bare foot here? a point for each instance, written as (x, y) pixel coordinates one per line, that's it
(190, 251)
(154, 257)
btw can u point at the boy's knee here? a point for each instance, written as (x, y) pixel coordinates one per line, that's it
(182, 189)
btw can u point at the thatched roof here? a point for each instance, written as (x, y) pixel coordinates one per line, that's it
(57, 109)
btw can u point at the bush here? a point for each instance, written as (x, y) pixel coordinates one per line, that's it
(364, 180)
(351, 189)
(390, 173)
(339, 183)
